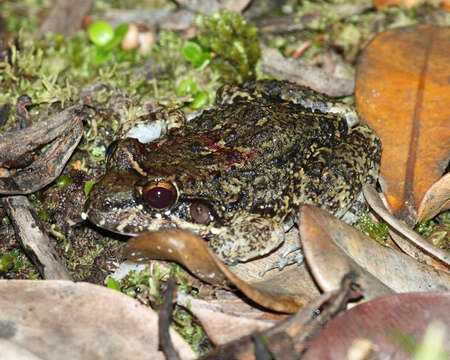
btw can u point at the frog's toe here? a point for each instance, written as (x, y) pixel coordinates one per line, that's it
(249, 237)
(291, 255)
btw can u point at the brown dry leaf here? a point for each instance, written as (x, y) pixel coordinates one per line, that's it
(55, 319)
(394, 269)
(280, 294)
(382, 322)
(327, 261)
(402, 93)
(408, 4)
(436, 199)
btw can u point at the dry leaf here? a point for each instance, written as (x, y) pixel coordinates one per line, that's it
(193, 252)
(436, 199)
(402, 93)
(56, 319)
(327, 261)
(382, 322)
(395, 269)
(408, 4)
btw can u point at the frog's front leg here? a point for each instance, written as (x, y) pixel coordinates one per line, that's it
(249, 236)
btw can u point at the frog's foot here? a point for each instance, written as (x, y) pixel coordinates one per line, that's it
(250, 236)
(291, 255)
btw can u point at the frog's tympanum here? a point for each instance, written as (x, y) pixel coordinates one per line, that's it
(237, 173)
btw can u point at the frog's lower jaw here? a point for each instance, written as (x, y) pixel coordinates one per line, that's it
(247, 237)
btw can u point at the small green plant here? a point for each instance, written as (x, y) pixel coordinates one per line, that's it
(377, 231)
(189, 87)
(195, 54)
(88, 186)
(6, 263)
(111, 283)
(106, 39)
(436, 230)
(63, 181)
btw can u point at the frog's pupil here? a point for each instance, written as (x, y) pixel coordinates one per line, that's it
(159, 197)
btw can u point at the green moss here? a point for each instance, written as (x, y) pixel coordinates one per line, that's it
(436, 230)
(63, 181)
(234, 42)
(44, 215)
(377, 231)
(6, 263)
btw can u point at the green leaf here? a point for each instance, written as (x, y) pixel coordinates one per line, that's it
(187, 87)
(194, 53)
(101, 55)
(112, 284)
(88, 187)
(119, 34)
(100, 33)
(200, 100)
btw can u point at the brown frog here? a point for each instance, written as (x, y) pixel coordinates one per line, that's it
(237, 173)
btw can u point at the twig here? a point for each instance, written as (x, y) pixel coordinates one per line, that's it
(65, 18)
(273, 63)
(165, 314)
(34, 239)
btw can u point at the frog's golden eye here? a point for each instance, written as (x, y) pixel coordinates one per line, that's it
(159, 194)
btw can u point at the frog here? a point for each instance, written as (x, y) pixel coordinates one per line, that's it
(237, 173)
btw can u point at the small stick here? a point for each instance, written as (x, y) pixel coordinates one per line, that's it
(33, 238)
(165, 314)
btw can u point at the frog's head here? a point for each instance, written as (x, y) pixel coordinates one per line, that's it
(129, 201)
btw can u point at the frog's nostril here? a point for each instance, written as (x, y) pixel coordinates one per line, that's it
(159, 194)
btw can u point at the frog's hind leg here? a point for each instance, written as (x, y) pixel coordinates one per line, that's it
(250, 236)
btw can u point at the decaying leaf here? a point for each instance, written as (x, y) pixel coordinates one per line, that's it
(55, 319)
(396, 270)
(384, 323)
(408, 4)
(192, 252)
(402, 93)
(436, 199)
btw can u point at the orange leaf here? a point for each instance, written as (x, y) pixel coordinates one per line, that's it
(402, 93)
(408, 4)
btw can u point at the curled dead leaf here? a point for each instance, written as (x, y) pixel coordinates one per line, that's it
(193, 253)
(436, 199)
(380, 261)
(326, 260)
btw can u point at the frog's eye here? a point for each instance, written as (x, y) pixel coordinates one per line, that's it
(201, 213)
(159, 194)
